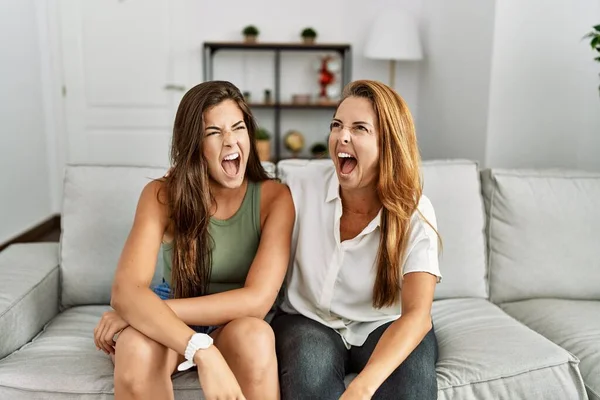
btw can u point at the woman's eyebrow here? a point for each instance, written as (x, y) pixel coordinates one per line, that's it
(218, 129)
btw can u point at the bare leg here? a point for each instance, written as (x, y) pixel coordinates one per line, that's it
(248, 346)
(143, 367)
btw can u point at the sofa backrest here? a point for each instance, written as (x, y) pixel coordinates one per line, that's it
(543, 234)
(98, 210)
(454, 189)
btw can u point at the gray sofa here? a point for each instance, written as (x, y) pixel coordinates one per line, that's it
(517, 314)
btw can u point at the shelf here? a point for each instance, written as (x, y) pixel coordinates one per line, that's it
(209, 49)
(292, 106)
(299, 46)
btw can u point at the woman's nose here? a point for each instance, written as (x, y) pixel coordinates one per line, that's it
(345, 136)
(229, 139)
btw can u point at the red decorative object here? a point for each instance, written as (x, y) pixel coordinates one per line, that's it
(326, 77)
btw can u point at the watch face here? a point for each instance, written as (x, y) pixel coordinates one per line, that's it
(202, 340)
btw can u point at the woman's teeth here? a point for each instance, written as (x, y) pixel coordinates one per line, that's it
(231, 157)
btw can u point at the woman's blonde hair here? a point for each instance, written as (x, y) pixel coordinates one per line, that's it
(399, 186)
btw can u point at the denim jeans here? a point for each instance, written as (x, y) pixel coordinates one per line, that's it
(313, 362)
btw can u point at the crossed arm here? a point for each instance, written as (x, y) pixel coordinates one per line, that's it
(167, 321)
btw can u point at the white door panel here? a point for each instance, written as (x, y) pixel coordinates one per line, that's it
(118, 64)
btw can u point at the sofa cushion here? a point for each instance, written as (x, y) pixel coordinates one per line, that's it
(486, 354)
(573, 325)
(63, 363)
(98, 210)
(453, 188)
(483, 353)
(28, 292)
(542, 234)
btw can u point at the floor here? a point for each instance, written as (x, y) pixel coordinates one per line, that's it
(53, 236)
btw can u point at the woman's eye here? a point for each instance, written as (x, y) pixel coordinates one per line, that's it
(334, 125)
(362, 128)
(240, 128)
(210, 133)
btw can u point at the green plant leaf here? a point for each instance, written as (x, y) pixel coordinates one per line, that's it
(597, 27)
(595, 41)
(589, 35)
(597, 59)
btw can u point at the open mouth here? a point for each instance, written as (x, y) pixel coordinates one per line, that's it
(231, 164)
(347, 163)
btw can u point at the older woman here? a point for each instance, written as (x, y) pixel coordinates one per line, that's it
(360, 289)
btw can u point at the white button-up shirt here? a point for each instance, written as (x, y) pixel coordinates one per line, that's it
(331, 281)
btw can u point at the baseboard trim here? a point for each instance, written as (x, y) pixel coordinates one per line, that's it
(35, 233)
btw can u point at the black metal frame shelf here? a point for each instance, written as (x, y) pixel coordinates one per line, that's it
(344, 50)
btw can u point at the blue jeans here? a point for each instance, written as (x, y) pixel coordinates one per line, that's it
(313, 362)
(163, 290)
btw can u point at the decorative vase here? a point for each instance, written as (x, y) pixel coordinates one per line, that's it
(308, 40)
(250, 38)
(264, 149)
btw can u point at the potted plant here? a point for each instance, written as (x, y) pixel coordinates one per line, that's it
(250, 33)
(594, 37)
(309, 35)
(319, 150)
(263, 144)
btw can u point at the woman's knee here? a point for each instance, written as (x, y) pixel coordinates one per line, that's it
(250, 340)
(137, 359)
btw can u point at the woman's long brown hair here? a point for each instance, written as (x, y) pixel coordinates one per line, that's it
(399, 187)
(187, 185)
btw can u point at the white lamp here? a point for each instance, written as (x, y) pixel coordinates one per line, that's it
(394, 36)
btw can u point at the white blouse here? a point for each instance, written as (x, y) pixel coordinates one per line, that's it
(331, 281)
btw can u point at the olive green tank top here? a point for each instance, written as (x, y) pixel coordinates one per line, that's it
(235, 242)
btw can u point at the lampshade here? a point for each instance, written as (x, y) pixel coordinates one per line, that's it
(394, 36)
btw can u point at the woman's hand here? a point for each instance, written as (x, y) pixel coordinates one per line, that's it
(216, 378)
(109, 325)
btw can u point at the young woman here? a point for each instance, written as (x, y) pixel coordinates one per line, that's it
(360, 287)
(225, 230)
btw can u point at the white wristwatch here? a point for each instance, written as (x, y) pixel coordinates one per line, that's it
(197, 342)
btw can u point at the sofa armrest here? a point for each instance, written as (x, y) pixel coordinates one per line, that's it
(29, 288)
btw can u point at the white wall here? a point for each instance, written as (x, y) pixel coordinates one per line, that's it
(24, 181)
(454, 78)
(544, 103)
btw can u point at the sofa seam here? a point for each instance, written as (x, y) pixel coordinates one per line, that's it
(546, 174)
(489, 236)
(74, 393)
(573, 363)
(17, 301)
